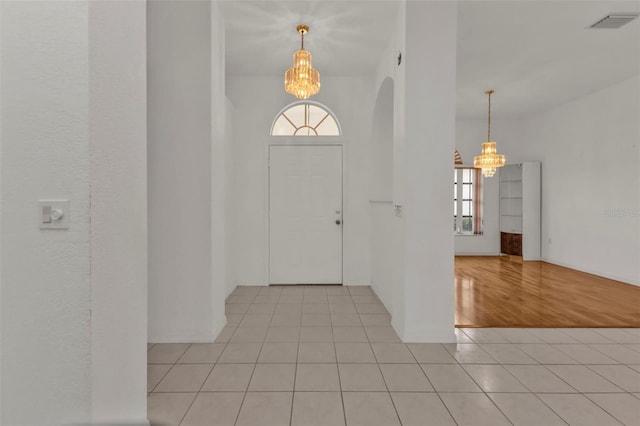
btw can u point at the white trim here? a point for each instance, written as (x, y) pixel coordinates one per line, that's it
(308, 102)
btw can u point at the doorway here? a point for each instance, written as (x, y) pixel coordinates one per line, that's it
(305, 214)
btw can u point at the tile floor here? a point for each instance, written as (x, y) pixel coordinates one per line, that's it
(322, 355)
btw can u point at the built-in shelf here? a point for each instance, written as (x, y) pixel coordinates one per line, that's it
(520, 210)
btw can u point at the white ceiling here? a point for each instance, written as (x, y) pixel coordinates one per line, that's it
(534, 54)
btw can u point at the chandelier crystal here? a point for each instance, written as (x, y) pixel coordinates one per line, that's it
(302, 80)
(490, 160)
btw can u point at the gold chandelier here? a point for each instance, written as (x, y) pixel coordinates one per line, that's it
(490, 160)
(302, 80)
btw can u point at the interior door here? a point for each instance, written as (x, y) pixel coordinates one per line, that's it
(305, 214)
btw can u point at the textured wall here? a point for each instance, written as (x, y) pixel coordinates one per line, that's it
(46, 287)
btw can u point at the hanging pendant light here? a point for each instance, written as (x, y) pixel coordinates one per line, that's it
(301, 80)
(490, 160)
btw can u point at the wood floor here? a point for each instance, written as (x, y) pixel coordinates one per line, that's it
(497, 292)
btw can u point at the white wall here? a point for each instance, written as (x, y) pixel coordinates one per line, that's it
(69, 357)
(46, 281)
(590, 181)
(470, 134)
(257, 100)
(228, 203)
(118, 131)
(381, 194)
(180, 171)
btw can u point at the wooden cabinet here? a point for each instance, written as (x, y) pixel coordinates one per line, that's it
(520, 210)
(511, 243)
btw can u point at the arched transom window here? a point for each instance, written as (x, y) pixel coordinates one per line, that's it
(305, 118)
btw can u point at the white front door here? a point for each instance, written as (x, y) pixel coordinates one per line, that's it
(305, 214)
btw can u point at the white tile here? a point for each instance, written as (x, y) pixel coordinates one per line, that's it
(349, 334)
(369, 409)
(421, 409)
(494, 378)
(622, 406)
(518, 335)
(371, 308)
(289, 319)
(317, 409)
(431, 353)
(619, 335)
(184, 378)
(585, 335)
(361, 377)
(283, 334)
(241, 299)
(255, 320)
(461, 337)
(315, 320)
(546, 354)
(278, 353)
(538, 378)
(342, 308)
(261, 308)
(249, 335)
(507, 353)
(316, 334)
(236, 308)
(525, 409)
(225, 334)
(552, 335)
(473, 409)
(577, 410)
(345, 320)
(619, 352)
(313, 352)
(202, 353)
(394, 353)
(315, 308)
(354, 352)
(621, 375)
(317, 377)
(449, 378)
(485, 335)
(469, 353)
(273, 377)
(583, 379)
(375, 319)
(168, 408)
(228, 377)
(236, 353)
(584, 354)
(155, 373)
(382, 334)
(265, 409)
(405, 378)
(166, 353)
(214, 409)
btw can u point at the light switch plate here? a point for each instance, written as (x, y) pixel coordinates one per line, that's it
(48, 210)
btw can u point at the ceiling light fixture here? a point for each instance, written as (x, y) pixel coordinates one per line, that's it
(490, 160)
(301, 80)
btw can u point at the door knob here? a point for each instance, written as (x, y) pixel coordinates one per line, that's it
(338, 222)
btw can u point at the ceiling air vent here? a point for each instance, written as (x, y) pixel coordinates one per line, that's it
(615, 20)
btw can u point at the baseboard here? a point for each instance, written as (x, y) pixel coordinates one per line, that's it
(592, 272)
(476, 254)
(356, 283)
(144, 422)
(186, 337)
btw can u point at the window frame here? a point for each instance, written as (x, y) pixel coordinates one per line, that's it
(475, 200)
(323, 107)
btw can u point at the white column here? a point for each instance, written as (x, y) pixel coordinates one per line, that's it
(180, 174)
(426, 100)
(118, 140)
